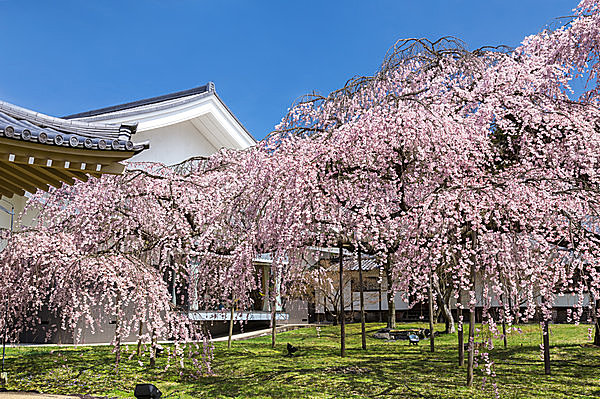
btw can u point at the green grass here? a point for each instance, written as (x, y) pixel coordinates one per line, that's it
(251, 369)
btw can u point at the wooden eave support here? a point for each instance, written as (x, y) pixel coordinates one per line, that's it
(7, 193)
(11, 186)
(35, 174)
(21, 178)
(31, 166)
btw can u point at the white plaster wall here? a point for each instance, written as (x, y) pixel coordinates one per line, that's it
(173, 144)
(19, 204)
(371, 301)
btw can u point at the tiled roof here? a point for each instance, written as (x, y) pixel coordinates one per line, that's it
(22, 124)
(351, 263)
(367, 263)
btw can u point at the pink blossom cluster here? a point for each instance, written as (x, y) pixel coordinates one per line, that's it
(475, 166)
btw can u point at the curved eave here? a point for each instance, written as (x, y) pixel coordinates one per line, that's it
(27, 166)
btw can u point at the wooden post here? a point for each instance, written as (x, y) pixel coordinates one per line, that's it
(503, 315)
(546, 340)
(461, 339)
(597, 323)
(380, 299)
(230, 325)
(341, 312)
(362, 301)
(273, 321)
(118, 333)
(391, 322)
(153, 348)
(471, 356)
(431, 331)
(139, 344)
(461, 344)
(118, 342)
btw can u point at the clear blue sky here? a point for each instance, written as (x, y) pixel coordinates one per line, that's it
(62, 57)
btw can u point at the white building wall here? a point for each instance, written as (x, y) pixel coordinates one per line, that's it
(173, 144)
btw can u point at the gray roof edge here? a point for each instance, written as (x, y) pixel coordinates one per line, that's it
(236, 119)
(132, 113)
(207, 88)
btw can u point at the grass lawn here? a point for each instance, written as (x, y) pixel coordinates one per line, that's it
(251, 369)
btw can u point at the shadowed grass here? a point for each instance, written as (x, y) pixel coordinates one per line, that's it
(251, 369)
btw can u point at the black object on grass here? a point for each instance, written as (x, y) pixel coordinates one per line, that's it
(146, 391)
(291, 350)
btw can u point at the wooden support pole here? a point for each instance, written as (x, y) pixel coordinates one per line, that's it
(597, 323)
(546, 341)
(362, 301)
(461, 342)
(341, 312)
(230, 325)
(391, 322)
(471, 352)
(273, 322)
(503, 314)
(380, 299)
(471, 355)
(545, 338)
(139, 343)
(431, 330)
(153, 348)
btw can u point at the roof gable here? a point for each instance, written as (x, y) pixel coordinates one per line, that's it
(162, 115)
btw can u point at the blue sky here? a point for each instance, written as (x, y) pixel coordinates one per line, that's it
(63, 57)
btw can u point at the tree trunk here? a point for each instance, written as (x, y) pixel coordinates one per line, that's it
(118, 343)
(139, 344)
(444, 305)
(448, 320)
(174, 289)
(153, 349)
(546, 341)
(118, 333)
(391, 319)
(461, 344)
(335, 314)
(230, 326)
(380, 298)
(503, 315)
(471, 357)
(431, 331)
(273, 322)
(362, 302)
(341, 313)
(460, 334)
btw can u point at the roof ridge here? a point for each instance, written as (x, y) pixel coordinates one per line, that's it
(209, 87)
